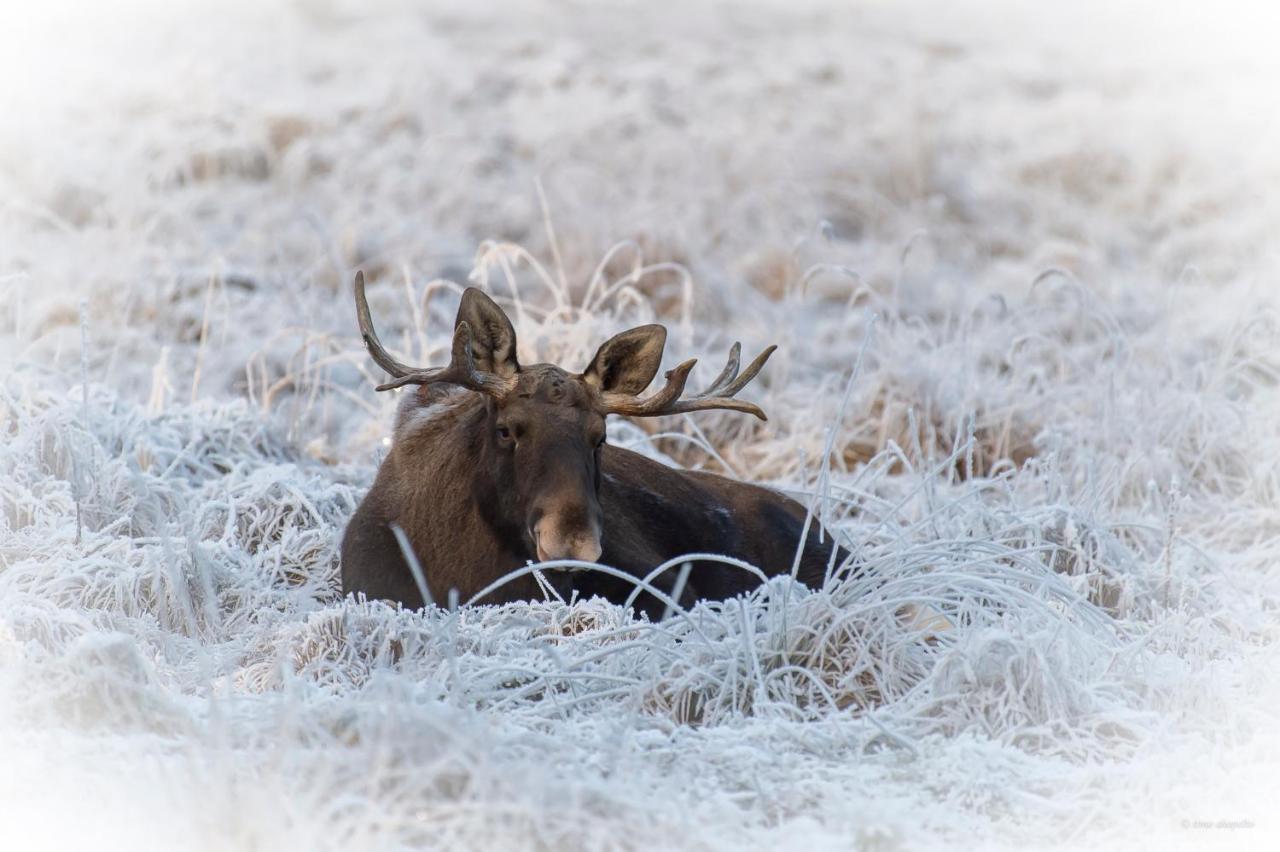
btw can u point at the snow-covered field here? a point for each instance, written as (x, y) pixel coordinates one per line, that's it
(1022, 265)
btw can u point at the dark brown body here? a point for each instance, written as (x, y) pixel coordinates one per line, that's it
(438, 485)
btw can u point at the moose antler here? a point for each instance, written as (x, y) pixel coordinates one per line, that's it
(668, 400)
(462, 363)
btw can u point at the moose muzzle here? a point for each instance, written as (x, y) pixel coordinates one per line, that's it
(573, 534)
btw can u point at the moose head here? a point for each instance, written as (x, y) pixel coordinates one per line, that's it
(542, 433)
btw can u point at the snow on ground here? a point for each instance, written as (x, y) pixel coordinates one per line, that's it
(1021, 264)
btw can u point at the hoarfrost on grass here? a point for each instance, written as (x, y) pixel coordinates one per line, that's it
(1058, 459)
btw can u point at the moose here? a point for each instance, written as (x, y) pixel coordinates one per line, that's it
(496, 464)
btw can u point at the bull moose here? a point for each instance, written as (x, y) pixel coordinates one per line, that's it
(495, 464)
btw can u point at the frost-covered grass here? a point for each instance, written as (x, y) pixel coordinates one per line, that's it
(1022, 275)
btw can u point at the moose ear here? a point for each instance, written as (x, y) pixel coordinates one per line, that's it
(493, 339)
(627, 362)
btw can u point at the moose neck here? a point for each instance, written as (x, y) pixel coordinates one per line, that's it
(456, 511)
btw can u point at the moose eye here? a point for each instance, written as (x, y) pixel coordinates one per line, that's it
(504, 433)
(600, 443)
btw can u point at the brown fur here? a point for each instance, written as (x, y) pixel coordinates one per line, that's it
(482, 484)
(650, 512)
